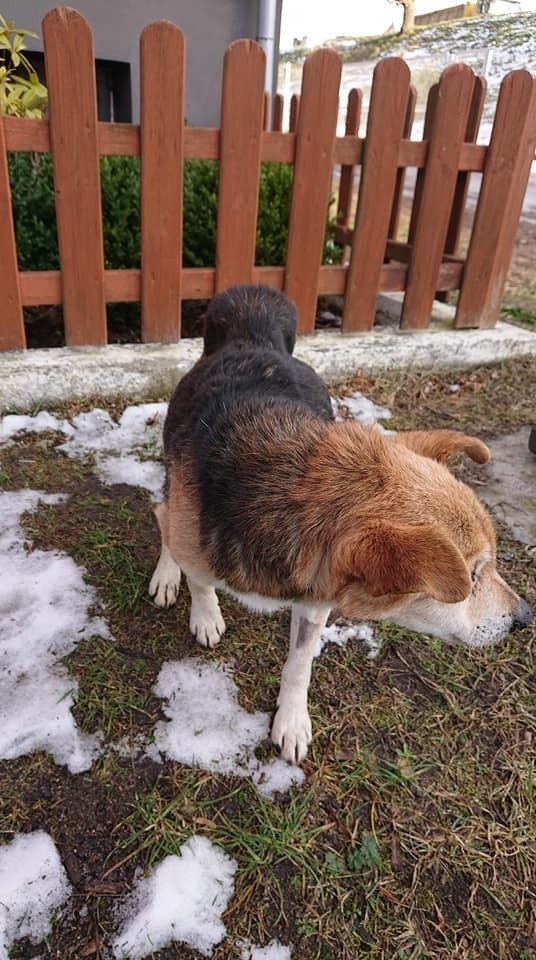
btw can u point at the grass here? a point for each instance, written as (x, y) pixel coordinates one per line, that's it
(520, 315)
(413, 836)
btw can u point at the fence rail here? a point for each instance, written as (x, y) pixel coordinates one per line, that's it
(424, 265)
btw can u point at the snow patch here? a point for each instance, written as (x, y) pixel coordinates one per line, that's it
(181, 901)
(273, 951)
(341, 632)
(33, 885)
(360, 408)
(124, 452)
(15, 423)
(44, 611)
(207, 728)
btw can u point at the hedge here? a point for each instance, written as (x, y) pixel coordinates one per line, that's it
(35, 223)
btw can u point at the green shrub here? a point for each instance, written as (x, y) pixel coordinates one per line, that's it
(32, 195)
(274, 209)
(120, 197)
(200, 213)
(35, 223)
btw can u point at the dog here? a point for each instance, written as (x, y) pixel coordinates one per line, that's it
(271, 500)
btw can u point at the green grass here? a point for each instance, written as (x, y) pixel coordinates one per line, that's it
(413, 835)
(520, 315)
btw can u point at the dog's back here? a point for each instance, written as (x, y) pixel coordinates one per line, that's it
(247, 364)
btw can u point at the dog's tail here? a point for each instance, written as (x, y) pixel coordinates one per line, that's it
(255, 314)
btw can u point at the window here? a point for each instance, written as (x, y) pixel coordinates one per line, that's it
(114, 100)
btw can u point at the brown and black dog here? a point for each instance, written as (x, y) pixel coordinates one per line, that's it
(272, 501)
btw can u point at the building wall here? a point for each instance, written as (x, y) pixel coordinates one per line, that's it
(209, 27)
(457, 12)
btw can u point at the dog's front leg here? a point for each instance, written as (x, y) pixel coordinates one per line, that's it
(291, 729)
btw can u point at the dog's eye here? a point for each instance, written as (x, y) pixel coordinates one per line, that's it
(475, 572)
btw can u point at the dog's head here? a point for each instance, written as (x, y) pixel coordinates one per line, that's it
(421, 548)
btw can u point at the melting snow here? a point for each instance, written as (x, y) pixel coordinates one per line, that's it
(33, 885)
(273, 951)
(207, 728)
(341, 633)
(181, 901)
(360, 408)
(125, 452)
(44, 609)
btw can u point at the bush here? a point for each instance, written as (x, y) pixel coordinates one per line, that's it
(32, 196)
(35, 222)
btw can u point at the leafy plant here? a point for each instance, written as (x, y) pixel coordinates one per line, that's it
(32, 192)
(357, 859)
(20, 96)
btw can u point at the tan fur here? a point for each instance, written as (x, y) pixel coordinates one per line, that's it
(374, 526)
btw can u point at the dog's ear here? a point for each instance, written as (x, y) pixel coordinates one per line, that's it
(393, 558)
(441, 444)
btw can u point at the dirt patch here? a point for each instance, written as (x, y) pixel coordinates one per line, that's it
(413, 833)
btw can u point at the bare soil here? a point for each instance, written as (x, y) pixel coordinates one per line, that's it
(428, 750)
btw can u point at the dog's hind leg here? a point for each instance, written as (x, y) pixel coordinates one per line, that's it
(291, 729)
(166, 579)
(206, 621)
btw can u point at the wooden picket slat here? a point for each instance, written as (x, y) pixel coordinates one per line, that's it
(12, 335)
(315, 141)
(510, 156)
(385, 126)
(454, 97)
(429, 116)
(162, 67)
(294, 112)
(277, 118)
(72, 110)
(266, 104)
(401, 172)
(241, 131)
(353, 118)
(462, 181)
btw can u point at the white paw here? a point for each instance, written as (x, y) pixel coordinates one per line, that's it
(165, 582)
(291, 731)
(207, 625)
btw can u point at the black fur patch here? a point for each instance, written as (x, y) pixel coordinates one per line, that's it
(241, 414)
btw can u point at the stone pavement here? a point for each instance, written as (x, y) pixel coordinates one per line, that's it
(509, 487)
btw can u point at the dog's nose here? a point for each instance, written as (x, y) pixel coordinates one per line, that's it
(522, 616)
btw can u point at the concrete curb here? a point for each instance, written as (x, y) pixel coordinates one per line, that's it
(35, 378)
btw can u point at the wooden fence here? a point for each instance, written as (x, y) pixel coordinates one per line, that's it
(427, 264)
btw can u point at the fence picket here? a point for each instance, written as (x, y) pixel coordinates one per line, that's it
(266, 104)
(241, 132)
(504, 181)
(353, 118)
(315, 141)
(462, 181)
(294, 112)
(431, 106)
(161, 147)
(277, 119)
(401, 172)
(72, 114)
(385, 126)
(439, 182)
(12, 335)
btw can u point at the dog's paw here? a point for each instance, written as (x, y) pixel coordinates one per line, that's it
(291, 731)
(165, 582)
(207, 625)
